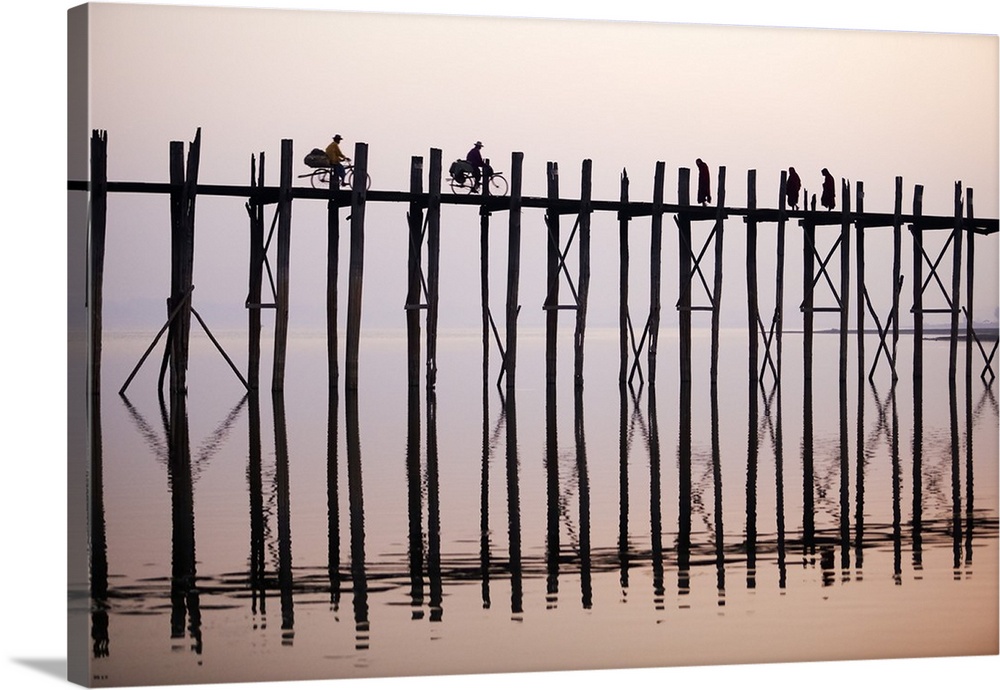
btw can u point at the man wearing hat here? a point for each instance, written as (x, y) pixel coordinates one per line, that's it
(475, 159)
(336, 156)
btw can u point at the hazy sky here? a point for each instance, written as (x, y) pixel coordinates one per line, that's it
(867, 105)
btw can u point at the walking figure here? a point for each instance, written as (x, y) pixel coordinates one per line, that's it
(792, 188)
(829, 198)
(704, 183)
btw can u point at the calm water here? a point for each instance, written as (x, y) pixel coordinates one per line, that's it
(304, 536)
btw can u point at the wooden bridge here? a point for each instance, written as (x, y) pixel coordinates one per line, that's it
(424, 218)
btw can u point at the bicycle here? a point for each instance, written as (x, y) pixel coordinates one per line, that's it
(462, 181)
(320, 177)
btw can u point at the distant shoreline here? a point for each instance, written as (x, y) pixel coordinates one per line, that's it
(989, 333)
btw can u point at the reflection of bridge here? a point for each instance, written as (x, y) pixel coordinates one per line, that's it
(693, 264)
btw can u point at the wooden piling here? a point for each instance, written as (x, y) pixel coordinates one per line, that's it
(284, 251)
(552, 259)
(184, 179)
(956, 282)
(332, 280)
(415, 220)
(684, 275)
(808, 268)
(583, 289)
(484, 283)
(655, 264)
(916, 230)
(970, 264)
(859, 255)
(98, 232)
(717, 287)
(897, 251)
(753, 314)
(623, 267)
(255, 210)
(845, 275)
(433, 263)
(513, 268)
(779, 281)
(356, 265)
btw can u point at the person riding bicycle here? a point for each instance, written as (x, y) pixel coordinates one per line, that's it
(475, 159)
(336, 156)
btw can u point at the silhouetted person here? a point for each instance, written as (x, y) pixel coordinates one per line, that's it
(829, 198)
(704, 183)
(475, 159)
(792, 188)
(337, 157)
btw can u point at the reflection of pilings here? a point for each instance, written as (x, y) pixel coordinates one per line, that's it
(845, 476)
(433, 511)
(655, 511)
(970, 255)
(184, 597)
(779, 485)
(897, 535)
(720, 555)
(355, 490)
(918, 456)
(513, 269)
(513, 509)
(753, 445)
(684, 490)
(623, 503)
(808, 495)
(956, 479)
(255, 483)
(283, 491)
(859, 484)
(99, 630)
(414, 500)
(484, 491)
(583, 487)
(333, 495)
(551, 498)
(284, 252)
(98, 231)
(356, 265)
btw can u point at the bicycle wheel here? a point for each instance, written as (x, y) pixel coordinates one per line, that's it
(498, 185)
(320, 179)
(349, 180)
(463, 186)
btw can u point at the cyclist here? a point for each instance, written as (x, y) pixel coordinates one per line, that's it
(336, 157)
(475, 159)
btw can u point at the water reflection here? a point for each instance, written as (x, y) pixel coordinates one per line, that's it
(867, 523)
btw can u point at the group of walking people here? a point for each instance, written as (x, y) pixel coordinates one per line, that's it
(793, 187)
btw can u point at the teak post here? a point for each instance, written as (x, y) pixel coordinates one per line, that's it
(859, 255)
(433, 263)
(845, 275)
(415, 220)
(255, 209)
(779, 281)
(970, 264)
(356, 266)
(332, 279)
(918, 281)
(583, 291)
(552, 262)
(956, 282)
(683, 274)
(717, 287)
(655, 265)
(513, 268)
(808, 268)
(623, 266)
(753, 307)
(184, 181)
(98, 233)
(284, 252)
